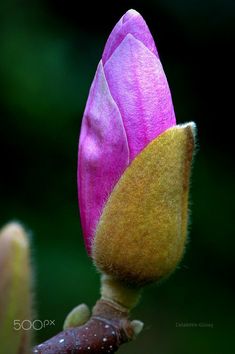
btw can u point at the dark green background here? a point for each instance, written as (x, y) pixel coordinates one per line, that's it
(49, 51)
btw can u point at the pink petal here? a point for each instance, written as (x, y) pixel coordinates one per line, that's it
(132, 22)
(103, 153)
(139, 87)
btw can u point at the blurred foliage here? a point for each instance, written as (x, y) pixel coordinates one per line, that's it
(49, 53)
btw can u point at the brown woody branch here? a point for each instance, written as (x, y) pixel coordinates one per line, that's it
(107, 329)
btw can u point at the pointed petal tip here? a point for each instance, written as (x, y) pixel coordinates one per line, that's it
(131, 22)
(130, 14)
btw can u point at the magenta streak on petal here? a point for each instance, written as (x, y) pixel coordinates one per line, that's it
(132, 22)
(139, 87)
(103, 154)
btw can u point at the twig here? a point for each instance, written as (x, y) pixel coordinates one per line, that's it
(107, 329)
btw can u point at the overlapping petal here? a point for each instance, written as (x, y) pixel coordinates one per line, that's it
(132, 22)
(103, 153)
(139, 87)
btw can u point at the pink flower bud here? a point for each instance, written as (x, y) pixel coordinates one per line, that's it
(129, 105)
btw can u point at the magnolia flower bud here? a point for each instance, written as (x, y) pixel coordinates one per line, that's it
(133, 162)
(15, 296)
(129, 105)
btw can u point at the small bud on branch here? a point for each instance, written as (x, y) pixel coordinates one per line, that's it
(15, 289)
